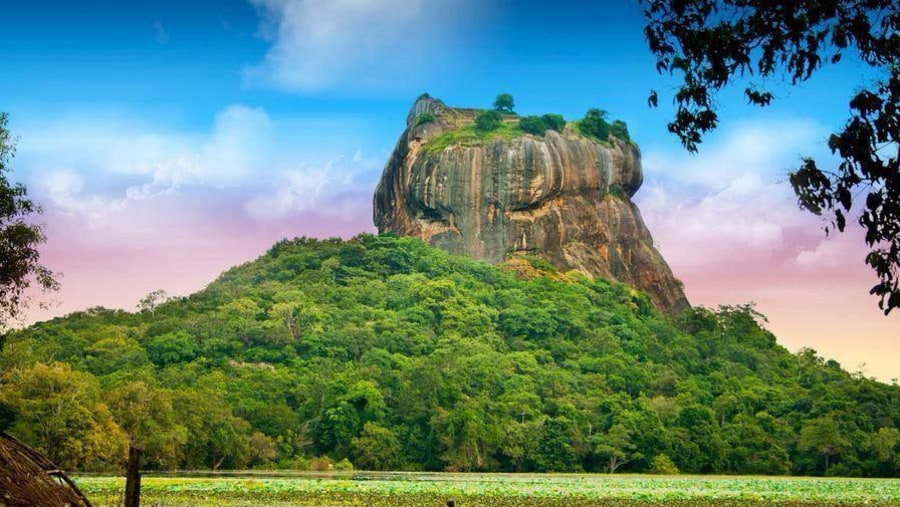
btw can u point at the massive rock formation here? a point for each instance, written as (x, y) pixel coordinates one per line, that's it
(561, 196)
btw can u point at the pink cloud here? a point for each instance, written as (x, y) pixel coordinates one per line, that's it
(175, 242)
(730, 228)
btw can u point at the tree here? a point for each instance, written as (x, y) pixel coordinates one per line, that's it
(615, 447)
(376, 448)
(504, 103)
(262, 449)
(20, 266)
(533, 125)
(886, 443)
(147, 416)
(594, 124)
(116, 353)
(554, 121)
(149, 302)
(662, 465)
(713, 44)
(287, 314)
(620, 130)
(171, 348)
(488, 121)
(823, 436)
(60, 412)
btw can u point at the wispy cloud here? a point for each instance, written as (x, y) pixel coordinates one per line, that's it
(731, 203)
(159, 33)
(319, 44)
(240, 146)
(319, 188)
(101, 171)
(131, 208)
(728, 223)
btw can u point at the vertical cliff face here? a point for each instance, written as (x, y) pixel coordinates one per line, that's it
(561, 196)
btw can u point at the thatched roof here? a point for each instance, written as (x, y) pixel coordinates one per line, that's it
(27, 478)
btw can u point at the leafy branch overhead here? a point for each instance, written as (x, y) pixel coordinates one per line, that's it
(713, 44)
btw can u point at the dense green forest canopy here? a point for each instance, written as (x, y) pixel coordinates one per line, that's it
(390, 354)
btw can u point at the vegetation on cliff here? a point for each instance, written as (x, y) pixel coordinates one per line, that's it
(392, 354)
(467, 128)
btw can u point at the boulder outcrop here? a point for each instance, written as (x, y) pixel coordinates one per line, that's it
(563, 196)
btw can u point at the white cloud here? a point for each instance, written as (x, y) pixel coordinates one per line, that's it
(768, 150)
(64, 190)
(100, 171)
(317, 188)
(731, 202)
(317, 44)
(239, 147)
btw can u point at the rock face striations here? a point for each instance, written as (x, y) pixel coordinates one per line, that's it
(562, 196)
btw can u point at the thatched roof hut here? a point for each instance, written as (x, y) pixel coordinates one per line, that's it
(27, 478)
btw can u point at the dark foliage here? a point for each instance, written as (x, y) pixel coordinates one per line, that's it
(488, 121)
(554, 121)
(538, 125)
(594, 124)
(620, 129)
(424, 118)
(504, 103)
(20, 265)
(533, 125)
(714, 43)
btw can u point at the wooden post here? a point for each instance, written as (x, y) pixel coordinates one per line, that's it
(133, 478)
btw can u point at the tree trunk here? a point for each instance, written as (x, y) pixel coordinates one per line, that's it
(133, 478)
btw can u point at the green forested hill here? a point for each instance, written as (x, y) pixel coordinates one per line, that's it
(394, 355)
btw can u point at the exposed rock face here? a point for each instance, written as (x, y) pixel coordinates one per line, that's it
(561, 196)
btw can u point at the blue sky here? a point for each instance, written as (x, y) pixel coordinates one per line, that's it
(171, 140)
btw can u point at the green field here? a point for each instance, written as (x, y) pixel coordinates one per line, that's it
(494, 490)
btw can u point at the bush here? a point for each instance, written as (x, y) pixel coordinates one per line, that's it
(343, 465)
(538, 125)
(620, 129)
(663, 465)
(171, 348)
(594, 124)
(616, 191)
(321, 464)
(533, 125)
(504, 103)
(554, 122)
(488, 121)
(424, 118)
(423, 96)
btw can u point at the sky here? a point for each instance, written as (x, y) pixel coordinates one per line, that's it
(169, 141)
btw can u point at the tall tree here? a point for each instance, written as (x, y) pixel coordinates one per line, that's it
(823, 436)
(20, 266)
(615, 447)
(713, 44)
(504, 103)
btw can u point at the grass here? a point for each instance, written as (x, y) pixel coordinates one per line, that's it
(469, 136)
(494, 490)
